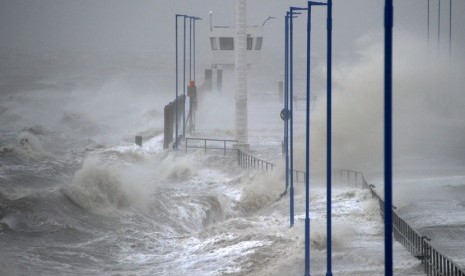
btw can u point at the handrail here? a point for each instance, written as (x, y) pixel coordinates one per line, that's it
(435, 263)
(353, 177)
(296, 176)
(247, 161)
(205, 147)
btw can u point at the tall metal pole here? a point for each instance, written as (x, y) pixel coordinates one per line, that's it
(190, 48)
(184, 81)
(194, 50)
(307, 150)
(427, 22)
(329, 139)
(388, 26)
(291, 98)
(286, 91)
(439, 25)
(240, 48)
(450, 28)
(176, 102)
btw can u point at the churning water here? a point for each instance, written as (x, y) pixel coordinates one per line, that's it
(78, 198)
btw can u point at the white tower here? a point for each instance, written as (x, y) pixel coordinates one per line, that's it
(241, 74)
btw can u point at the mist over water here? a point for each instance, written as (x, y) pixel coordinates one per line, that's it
(428, 111)
(78, 198)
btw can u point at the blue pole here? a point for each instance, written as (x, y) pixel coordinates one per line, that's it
(428, 22)
(439, 24)
(286, 91)
(190, 48)
(291, 57)
(450, 28)
(307, 151)
(194, 50)
(184, 81)
(329, 140)
(291, 89)
(388, 25)
(176, 102)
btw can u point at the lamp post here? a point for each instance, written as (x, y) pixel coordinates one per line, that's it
(184, 81)
(190, 48)
(286, 91)
(307, 141)
(291, 96)
(286, 96)
(192, 20)
(184, 72)
(329, 139)
(428, 22)
(450, 29)
(177, 81)
(439, 25)
(266, 20)
(193, 42)
(388, 24)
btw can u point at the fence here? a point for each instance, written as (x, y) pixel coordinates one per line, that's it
(205, 143)
(435, 262)
(247, 161)
(297, 178)
(353, 178)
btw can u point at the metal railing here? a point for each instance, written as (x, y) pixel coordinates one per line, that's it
(302, 175)
(353, 178)
(435, 263)
(247, 161)
(211, 144)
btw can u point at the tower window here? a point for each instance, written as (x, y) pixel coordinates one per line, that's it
(213, 43)
(226, 43)
(258, 44)
(249, 43)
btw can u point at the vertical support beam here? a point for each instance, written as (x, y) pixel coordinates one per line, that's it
(190, 48)
(450, 29)
(184, 80)
(286, 95)
(240, 47)
(291, 96)
(193, 42)
(388, 26)
(439, 26)
(307, 149)
(329, 141)
(427, 20)
(177, 82)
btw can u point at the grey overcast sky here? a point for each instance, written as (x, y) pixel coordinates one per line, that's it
(147, 26)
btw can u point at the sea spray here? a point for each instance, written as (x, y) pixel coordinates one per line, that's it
(260, 190)
(102, 187)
